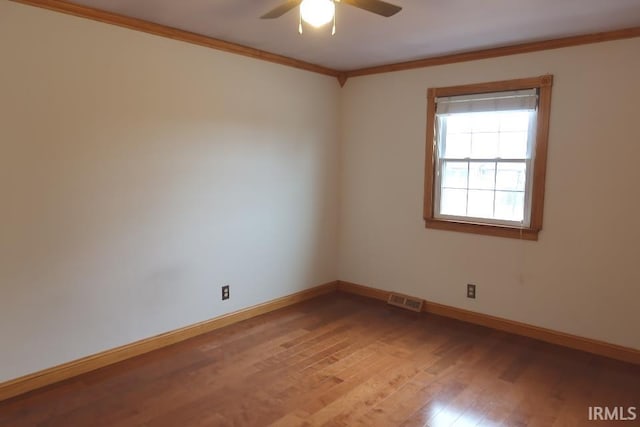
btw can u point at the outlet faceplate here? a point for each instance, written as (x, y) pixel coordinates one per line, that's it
(471, 290)
(225, 292)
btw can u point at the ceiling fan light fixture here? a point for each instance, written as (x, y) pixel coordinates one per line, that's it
(317, 12)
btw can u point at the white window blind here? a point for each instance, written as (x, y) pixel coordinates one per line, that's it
(522, 100)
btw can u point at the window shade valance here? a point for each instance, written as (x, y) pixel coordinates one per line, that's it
(498, 101)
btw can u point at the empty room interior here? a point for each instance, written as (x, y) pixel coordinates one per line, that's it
(319, 213)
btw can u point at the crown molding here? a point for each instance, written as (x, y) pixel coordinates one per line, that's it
(495, 52)
(341, 75)
(174, 33)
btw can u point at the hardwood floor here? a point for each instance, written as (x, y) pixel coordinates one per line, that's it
(341, 360)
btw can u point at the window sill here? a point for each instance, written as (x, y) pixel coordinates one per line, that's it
(485, 229)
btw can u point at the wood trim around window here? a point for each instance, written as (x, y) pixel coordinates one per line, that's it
(543, 84)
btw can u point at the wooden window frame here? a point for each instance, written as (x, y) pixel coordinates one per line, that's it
(543, 84)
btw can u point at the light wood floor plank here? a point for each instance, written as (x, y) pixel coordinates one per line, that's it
(340, 360)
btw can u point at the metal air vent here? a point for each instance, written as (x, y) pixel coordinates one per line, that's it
(403, 301)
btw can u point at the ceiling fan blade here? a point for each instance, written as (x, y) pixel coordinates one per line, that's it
(376, 6)
(281, 10)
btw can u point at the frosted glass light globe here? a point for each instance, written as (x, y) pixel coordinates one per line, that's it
(317, 12)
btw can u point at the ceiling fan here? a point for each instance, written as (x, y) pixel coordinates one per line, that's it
(320, 12)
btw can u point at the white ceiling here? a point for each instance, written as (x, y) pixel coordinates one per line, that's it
(422, 29)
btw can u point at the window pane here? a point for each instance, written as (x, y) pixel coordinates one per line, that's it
(453, 202)
(484, 145)
(491, 189)
(480, 203)
(458, 145)
(454, 174)
(510, 205)
(511, 121)
(513, 145)
(486, 122)
(459, 123)
(482, 176)
(511, 176)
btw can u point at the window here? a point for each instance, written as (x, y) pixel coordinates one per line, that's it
(486, 157)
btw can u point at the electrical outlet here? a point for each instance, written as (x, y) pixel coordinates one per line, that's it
(471, 290)
(225, 292)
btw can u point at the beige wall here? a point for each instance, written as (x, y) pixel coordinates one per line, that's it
(583, 275)
(139, 174)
